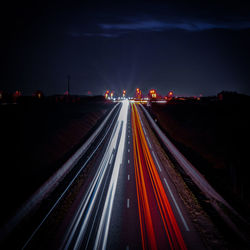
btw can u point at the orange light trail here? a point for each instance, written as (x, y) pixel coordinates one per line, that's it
(148, 182)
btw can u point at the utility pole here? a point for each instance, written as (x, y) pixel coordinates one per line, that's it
(68, 77)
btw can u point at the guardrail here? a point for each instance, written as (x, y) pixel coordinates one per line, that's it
(49, 186)
(211, 194)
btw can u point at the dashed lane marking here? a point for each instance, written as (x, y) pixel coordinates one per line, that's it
(156, 160)
(177, 207)
(127, 203)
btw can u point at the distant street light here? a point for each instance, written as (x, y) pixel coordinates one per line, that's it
(107, 94)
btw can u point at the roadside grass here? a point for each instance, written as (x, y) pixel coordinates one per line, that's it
(213, 136)
(36, 140)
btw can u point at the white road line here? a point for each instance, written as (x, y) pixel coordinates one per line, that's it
(128, 161)
(128, 150)
(50, 185)
(156, 160)
(149, 143)
(111, 158)
(104, 224)
(127, 203)
(199, 180)
(177, 207)
(128, 177)
(143, 129)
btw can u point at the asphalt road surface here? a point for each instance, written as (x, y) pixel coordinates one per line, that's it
(128, 201)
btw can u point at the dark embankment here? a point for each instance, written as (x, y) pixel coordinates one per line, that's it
(37, 137)
(214, 136)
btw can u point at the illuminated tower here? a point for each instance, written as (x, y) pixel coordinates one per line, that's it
(170, 95)
(152, 94)
(138, 93)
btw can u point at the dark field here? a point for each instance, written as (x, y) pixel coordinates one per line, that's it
(36, 139)
(214, 136)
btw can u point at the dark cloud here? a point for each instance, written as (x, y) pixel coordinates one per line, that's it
(191, 47)
(154, 25)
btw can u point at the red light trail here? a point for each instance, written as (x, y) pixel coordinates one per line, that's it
(157, 221)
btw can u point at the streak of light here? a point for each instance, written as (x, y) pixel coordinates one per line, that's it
(144, 165)
(112, 156)
(102, 234)
(178, 209)
(127, 203)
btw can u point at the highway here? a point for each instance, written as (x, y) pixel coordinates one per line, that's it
(157, 222)
(128, 200)
(90, 225)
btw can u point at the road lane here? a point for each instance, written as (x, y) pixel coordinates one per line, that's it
(90, 225)
(50, 186)
(124, 230)
(189, 233)
(128, 201)
(159, 229)
(147, 213)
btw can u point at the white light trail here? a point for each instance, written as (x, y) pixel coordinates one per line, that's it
(102, 234)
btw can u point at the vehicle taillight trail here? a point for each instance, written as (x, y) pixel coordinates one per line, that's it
(159, 228)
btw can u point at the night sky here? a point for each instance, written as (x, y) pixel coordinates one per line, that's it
(191, 48)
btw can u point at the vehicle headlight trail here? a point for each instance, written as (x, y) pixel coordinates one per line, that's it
(152, 200)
